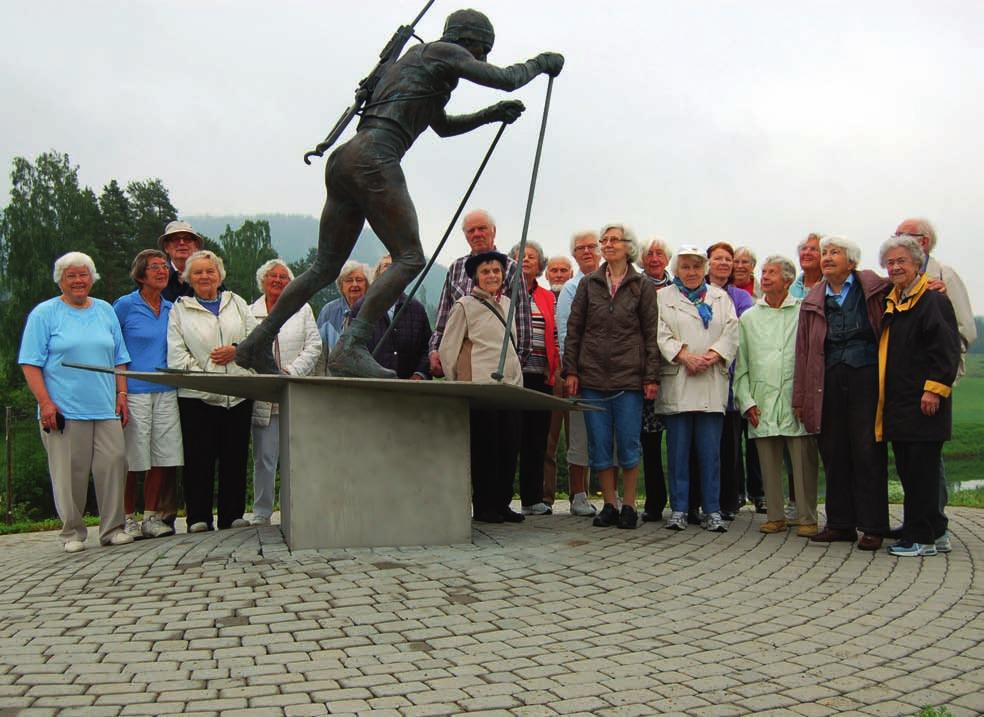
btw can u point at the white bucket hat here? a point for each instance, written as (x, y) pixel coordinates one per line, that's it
(178, 227)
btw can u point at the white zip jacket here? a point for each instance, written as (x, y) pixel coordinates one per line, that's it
(193, 331)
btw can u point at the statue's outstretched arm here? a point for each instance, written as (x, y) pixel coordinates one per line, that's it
(507, 111)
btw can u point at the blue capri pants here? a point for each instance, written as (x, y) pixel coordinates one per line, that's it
(617, 424)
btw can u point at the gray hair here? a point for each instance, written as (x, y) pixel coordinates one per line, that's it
(581, 235)
(563, 259)
(348, 268)
(138, 269)
(657, 242)
(751, 254)
(265, 268)
(926, 229)
(541, 258)
(74, 258)
(809, 237)
(903, 241)
(204, 254)
(630, 241)
(853, 250)
(375, 269)
(786, 267)
(474, 212)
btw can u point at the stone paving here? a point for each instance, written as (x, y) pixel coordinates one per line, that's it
(549, 617)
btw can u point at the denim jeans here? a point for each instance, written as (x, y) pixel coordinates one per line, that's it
(704, 431)
(617, 423)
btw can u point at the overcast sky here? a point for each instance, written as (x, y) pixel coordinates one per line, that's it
(751, 122)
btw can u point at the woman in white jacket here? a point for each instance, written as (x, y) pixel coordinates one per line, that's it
(698, 337)
(296, 350)
(202, 333)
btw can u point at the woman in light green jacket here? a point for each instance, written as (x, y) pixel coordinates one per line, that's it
(764, 394)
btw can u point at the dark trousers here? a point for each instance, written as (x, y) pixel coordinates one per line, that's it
(752, 486)
(533, 444)
(652, 444)
(918, 464)
(732, 470)
(856, 466)
(494, 445)
(213, 434)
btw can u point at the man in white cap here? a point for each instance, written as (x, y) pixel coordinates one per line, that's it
(179, 241)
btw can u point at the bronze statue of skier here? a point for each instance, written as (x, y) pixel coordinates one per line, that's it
(365, 182)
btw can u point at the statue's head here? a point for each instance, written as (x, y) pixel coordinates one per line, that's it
(470, 29)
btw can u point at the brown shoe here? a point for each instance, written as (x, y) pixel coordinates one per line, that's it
(869, 542)
(833, 535)
(773, 526)
(807, 530)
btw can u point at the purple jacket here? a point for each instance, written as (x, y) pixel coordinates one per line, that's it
(810, 336)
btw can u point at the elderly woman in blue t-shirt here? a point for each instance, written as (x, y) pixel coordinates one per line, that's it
(80, 412)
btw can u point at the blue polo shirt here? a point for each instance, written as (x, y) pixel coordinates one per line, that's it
(57, 333)
(145, 335)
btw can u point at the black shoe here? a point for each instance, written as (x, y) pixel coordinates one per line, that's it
(693, 518)
(648, 517)
(607, 518)
(725, 515)
(511, 516)
(760, 505)
(487, 516)
(628, 519)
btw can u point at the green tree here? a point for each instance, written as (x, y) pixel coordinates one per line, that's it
(48, 215)
(152, 210)
(116, 242)
(244, 249)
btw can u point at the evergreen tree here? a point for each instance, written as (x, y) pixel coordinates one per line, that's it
(327, 294)
(152, 210)
(244, 250)
(116, 242)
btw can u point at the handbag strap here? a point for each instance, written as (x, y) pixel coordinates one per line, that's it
(502, 321)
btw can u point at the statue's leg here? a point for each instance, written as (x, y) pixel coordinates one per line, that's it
(391, 214)
(341, 224)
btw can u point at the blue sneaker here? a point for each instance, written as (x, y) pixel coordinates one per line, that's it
(909, 549)
(943, 543)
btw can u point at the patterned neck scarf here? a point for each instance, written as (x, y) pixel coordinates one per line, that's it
(696, 297)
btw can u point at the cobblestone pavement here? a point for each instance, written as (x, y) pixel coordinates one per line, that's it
(549, 617)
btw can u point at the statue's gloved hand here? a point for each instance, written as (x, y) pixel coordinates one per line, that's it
(507, 111)
(553, 62)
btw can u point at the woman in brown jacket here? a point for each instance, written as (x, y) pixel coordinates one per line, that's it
(611, 357)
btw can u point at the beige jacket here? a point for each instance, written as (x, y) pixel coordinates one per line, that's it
(960, 300)
(472, 341)
(193, 331)
(680, 326)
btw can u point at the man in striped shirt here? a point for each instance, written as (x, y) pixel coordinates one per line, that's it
(479, 229)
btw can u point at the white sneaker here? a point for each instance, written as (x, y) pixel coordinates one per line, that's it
(239, 523)
(154, 527)
(120, 538)
(198, 528)
(943, 543)
(74, 546)
(714, 524)
(132, 528)
(537, 509)
(260, 520)
(582, 507)
(676, 521)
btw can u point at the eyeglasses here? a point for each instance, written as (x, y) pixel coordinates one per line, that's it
(585, 247)
(903, 261)
(76, 277)
(179, 239)
(910, 234)
(610, 240)
(157, 267)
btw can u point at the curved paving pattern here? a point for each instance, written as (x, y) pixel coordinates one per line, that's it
(549, 617)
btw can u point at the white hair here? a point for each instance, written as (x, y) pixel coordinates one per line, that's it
(204, 254)
(751, 254)
(809, 237)
(541, 258)
(786, 267)
(926, 229)
(265, 268)
(350, 267)
(629, 237)
(562, 259)
(74, 258)
(903, 241)
(472, 213)
(581, 235)
(852, 250)
(660, 244)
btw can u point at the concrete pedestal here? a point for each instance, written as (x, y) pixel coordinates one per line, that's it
(370, 463)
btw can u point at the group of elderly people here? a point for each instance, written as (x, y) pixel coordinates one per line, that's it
(835, 360)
